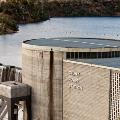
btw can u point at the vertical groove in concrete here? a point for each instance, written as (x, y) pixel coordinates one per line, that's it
(51, 85)
(110, 97)
(62, 87)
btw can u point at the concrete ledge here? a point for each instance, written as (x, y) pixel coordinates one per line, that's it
(72, 44)
(12, 89)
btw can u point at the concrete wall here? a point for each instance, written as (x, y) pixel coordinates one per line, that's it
(42, 70)
(85, 92)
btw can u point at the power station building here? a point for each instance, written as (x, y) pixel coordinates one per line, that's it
(73, 78)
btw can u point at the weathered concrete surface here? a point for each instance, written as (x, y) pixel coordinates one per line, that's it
(90, 92)
(85, 92)
(12, 89)
(42, 70)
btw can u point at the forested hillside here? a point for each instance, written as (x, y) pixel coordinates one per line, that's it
(85, 7)
(21, 11)
(27, 11)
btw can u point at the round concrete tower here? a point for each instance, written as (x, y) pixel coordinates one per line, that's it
(42, 70)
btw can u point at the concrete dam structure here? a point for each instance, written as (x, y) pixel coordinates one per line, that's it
(73, 78)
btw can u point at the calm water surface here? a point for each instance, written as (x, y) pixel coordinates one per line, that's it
(103, 27)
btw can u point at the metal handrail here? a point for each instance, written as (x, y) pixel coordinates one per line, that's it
(3, 109)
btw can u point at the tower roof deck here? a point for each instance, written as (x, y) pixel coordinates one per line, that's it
(75, 42)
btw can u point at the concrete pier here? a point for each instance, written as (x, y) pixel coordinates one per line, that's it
(13, 92)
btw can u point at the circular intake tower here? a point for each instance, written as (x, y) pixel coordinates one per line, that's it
(42, 64)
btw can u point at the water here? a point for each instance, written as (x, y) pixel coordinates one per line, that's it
(100, 27)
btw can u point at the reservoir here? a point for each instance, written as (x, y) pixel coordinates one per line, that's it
(89, 27)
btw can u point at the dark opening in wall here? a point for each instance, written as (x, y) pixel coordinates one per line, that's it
(117, 53)
(68, 55)
(109, 55)
(80, 55)
(76, 55)
(72, 55)
(92, 55)
(113, 53)
(84, 55)
(99, 55)
(88, 55)
(105, 55)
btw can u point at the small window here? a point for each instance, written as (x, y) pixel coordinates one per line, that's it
(116, 53)
(68, 55)
(99, 55)
(72, 55)
(93, 55)
(113, 53)
(109, 54)
(80, 55)
(84, 55)
(119, 53)
(104, 55)
(88, 55)
(76, 55)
